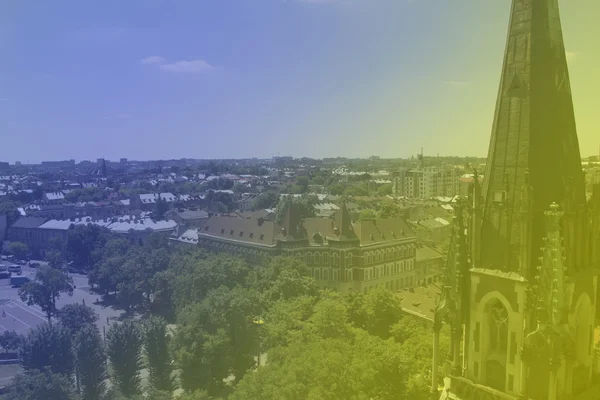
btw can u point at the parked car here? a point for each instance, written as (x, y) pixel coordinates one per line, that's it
(15, 269)
(21, 262)
(34, 264)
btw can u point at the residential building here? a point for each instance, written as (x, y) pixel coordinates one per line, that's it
(23, 230)
(429, 265)
(188, 218)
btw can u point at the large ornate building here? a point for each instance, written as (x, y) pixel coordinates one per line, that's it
(342, 255)
(521, 278)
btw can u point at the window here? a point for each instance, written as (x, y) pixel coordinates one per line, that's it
(309, 258)
(497, 348)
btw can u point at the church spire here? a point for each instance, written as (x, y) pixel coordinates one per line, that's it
(533, 131)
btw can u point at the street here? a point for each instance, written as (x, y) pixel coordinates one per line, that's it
(20, 317)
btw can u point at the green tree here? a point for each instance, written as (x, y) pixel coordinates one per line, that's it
(265, 200)
(10, 340)
(45, 289)
(217, 337)
(284, 278)
(90, 362)
(76, 316)
(11, 211)
(55, 259)
(329, 368)
(82, 240)
(156, 349)
(367, 214)
(194, 275)
(48, 346)
(376, 312)
(36, 385)
(160, 208)
(124, 349)
(385, 189)
(18, 249)
(389, 209)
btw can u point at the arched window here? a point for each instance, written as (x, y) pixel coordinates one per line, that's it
(317, 258)
(317, 274)
(497, 345)
(349, 276)
(336, 260)
(349, 259)
(325, 258)
(309, 258)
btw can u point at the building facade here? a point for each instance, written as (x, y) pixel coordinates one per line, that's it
(342, 256)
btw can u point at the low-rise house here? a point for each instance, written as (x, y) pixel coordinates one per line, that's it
(137, 230)
(24, 230)
(147, 201)
(188, 218)
(246, 202)
(429, 265)
(54, 197)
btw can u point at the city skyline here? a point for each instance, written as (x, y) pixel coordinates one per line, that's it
(303, 78)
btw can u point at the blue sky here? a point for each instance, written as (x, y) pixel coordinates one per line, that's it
(149, 79)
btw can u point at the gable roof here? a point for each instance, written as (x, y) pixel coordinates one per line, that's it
(29, 222)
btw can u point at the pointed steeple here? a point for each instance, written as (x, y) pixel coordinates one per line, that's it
(343, 223)
(533, 130)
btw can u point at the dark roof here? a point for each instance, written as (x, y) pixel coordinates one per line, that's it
(29, 222)
(427, 253)
(376, 231)
(250, 231)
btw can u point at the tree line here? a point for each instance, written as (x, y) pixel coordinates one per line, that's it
(224, 317)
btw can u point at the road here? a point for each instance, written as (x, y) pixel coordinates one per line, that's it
(20, 317)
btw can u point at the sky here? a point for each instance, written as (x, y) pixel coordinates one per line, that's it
(152, 79)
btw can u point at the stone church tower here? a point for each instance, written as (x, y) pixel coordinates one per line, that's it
(521, 276)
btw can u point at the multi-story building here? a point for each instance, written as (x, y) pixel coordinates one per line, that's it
(430, 182)
(342, 255)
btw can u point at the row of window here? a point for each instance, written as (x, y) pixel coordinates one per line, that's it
(389, 254)
(369, 274)
(387, 270)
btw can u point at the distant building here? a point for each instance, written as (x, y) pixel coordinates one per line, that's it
(123, 161)
(429, 264)
(54, 197)
(342, 255)
(24, 231)
(189, 218)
